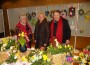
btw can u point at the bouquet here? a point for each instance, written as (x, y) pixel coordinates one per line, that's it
(22, 41)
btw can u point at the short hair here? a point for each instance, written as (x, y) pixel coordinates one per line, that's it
(22, 15)
(42, 14)
(57, 11)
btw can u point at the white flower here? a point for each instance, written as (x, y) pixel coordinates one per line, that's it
(5, 63)
(15, 57)
(48, 60)
(40, 52)
(30, 63)
(8, 53)
(11, 47)
(4, 45)
(14, 51)
(32, 48)
(1, 48)
(40, 57)
(4, 48)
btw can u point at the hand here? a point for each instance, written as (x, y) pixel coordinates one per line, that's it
(67, 41)
(45, 44)
(27, 38)
(35, 41)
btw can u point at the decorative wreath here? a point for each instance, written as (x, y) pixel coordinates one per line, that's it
(81, 12)
(28, 16)
(87, 17)
(33, 14)
(71, 11)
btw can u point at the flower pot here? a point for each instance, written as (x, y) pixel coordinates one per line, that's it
(22, 48)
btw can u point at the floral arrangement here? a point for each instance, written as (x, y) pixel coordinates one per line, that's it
(21, 39)
(60, 54)
(22, 42)
(38, 58)
(82, 58)
(6, 44)
(59, 48)
(12, 58)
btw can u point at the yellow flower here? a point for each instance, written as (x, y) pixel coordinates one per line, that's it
(22, 34)
(24, 58)
(68, 45)
(60, 46)
(32, 57)
(89, 63)
(45, 57)
(5, 40)
(81, 54)
(65, 46)
(84, 61)
(18, 54)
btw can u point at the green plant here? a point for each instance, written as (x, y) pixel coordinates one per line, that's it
(60, 49)
(0, 46)
(10, 43)
(21, 39)
(11, 58)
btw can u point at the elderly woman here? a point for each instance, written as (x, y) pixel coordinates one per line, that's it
(41, 34)
(23, 26)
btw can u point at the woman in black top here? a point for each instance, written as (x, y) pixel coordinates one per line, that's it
(41, 34)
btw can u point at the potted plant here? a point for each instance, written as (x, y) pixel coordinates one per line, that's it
(22, 42)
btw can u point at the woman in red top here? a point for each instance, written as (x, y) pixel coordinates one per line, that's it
(23, 26)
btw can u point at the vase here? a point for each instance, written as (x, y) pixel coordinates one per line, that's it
(22, 48)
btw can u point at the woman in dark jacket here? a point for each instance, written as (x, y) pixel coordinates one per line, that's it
(41, 34)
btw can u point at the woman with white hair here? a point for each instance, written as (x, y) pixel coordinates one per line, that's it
(23, 26)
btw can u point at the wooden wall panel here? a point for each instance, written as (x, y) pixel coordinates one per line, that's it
(26, 3)
(82, 42)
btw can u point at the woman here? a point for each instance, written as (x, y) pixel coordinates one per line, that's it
(41, 34)
(59, 29)
(23, 26)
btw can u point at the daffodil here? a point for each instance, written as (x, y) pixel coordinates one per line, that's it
(83, 60)
(40, 52)
(18, 54)
(32, 57)
(5, 40)
(81, 54)
(22, 34)
(45, 57)
(68, 45)
(65, 46)
(60, 46)
(24, 58)
(89, 63)
(69, 48)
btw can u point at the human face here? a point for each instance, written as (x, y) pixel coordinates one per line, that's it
(23, 20)
(41, 17)
(56, 16)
